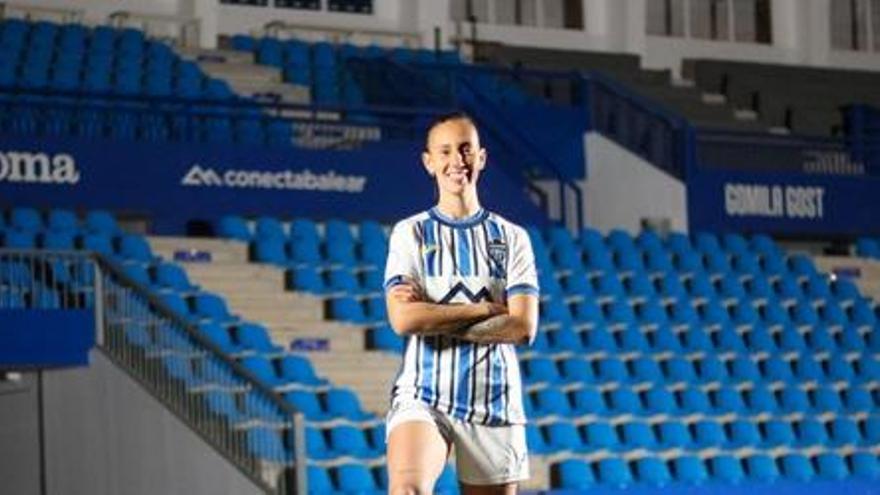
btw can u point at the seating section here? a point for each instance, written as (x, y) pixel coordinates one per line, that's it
(692, 352)
(55, 282)
(340, 262)
(812, 106)
(868, 247)
(152, 90)
(326, 67)
(345, 444)
(660, 361)
(624, 69)
(345, 6)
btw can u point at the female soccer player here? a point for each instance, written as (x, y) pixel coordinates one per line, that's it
(461, 286)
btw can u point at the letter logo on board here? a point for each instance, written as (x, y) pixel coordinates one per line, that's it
(38, 168)
(197, 176)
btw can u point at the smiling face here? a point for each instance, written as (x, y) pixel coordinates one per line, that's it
(454, 157)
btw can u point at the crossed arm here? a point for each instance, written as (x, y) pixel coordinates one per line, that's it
(483, 322)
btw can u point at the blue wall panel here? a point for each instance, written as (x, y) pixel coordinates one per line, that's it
(44, 338)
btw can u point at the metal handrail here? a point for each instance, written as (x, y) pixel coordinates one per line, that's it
(187, 408)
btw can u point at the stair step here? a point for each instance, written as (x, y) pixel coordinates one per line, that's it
(242, 72)
(221, 250)
(714, 99)
(202, 54)
(288, 93)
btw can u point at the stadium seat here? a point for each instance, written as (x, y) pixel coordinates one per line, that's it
(572, 474)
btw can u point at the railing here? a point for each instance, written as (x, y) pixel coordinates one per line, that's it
(181, 367)
(46, 280)
(644, 127)
(35, 12)
(180, 30)
(762, 152)
(342, 35)
(89, 114)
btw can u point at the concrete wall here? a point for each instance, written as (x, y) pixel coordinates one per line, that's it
(622, 189)
(105, 435)
(801, 28)
(19, 436)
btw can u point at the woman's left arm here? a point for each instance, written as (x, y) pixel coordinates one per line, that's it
(518, 326)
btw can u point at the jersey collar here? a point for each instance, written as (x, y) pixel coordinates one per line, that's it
(470, 221)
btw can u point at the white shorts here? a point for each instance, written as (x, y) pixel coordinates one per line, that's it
(484, 455)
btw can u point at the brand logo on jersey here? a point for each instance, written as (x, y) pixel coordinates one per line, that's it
(498, 256)
(461, 289)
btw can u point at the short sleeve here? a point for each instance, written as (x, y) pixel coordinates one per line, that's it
(403, 255)
(522, 276)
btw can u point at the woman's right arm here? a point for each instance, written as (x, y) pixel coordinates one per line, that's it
(409, 314)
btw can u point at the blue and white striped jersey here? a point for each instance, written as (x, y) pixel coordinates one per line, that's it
(483, 257)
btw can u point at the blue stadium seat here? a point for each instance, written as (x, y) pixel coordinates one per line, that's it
(267, 444)
(864, 465)
(447, 483)
(350, 440)
(563, 436)
(535, 440)
(319, 481)
(299, 369)
(653, 471)
(385, 338)
(600, 435)
(342, 402)
(25, 219)
(825, 399)
(57, 240)
(220, 337)
(355, 478)
(348, 309)
(234, 227)
(99, 221)
(726, 469)
(572, 474)
(133, 247)
(587, 400)
(811, 432)
(551, 402)
(689, 469)
(255, 337)
(637, 435)
(844, 431)
(760, 399)
(831, 466)
(212, 307)
(857, 400)
(761, 468)
(264, 370)
(674, 434)
(708, 433)
(614, 472)
(744, 433)
(777, 433)
(540, 369)
(19, 239)
(307, 403)
(172, 276)
(659, 400)
(269, 228)
(796, 467)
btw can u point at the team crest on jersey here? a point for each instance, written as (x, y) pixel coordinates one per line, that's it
(498, 256)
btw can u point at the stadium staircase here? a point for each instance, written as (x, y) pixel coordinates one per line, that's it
(244, 76)
(295, 320)
(863, 271)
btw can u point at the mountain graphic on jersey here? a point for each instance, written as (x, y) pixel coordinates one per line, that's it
(461, 289)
